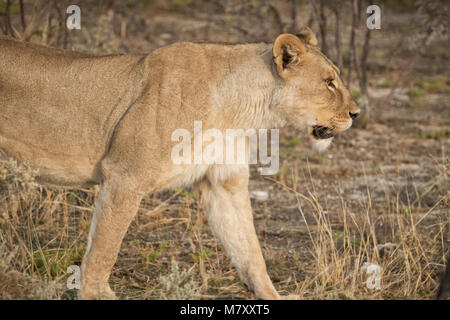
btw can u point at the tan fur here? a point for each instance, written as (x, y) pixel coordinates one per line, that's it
(84, 120)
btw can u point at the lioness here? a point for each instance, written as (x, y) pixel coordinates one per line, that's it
(83, 120)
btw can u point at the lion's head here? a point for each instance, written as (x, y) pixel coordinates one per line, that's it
(312, 89)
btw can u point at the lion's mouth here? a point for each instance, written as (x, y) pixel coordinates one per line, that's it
(321, 132)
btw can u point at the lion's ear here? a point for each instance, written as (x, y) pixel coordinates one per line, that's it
(288, 51)
(307, 36)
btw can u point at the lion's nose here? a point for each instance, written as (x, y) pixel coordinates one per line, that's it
(353, 115)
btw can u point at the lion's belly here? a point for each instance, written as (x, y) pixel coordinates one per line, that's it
(52, 168)
(61, 145)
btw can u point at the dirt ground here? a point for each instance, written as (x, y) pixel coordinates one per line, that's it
(383, 181)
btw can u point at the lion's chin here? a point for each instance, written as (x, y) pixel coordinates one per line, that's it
(321, 145)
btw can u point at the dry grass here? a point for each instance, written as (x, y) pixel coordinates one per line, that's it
(169, 252)
(343, 243)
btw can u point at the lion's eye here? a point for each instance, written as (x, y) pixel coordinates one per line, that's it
(330, 83)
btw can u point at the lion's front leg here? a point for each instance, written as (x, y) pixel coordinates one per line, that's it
(229, 212)
(116, 206)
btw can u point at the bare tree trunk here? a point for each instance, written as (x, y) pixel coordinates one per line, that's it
(3, 23)
(352, 42)
(359, 62)
(311, 14)
(362, 76)
(22, 15)
(363, 73)
(364, 55)
(319, 13)
(275, 19)
(323, 27)
(62, 32)
(293, 27)
(47, 32)
(337, 37)
(8, 28)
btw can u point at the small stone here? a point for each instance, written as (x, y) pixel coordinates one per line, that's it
(259, 195)
(386, 249)
(166, 36)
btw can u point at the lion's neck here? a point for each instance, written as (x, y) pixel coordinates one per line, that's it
(249, 93)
